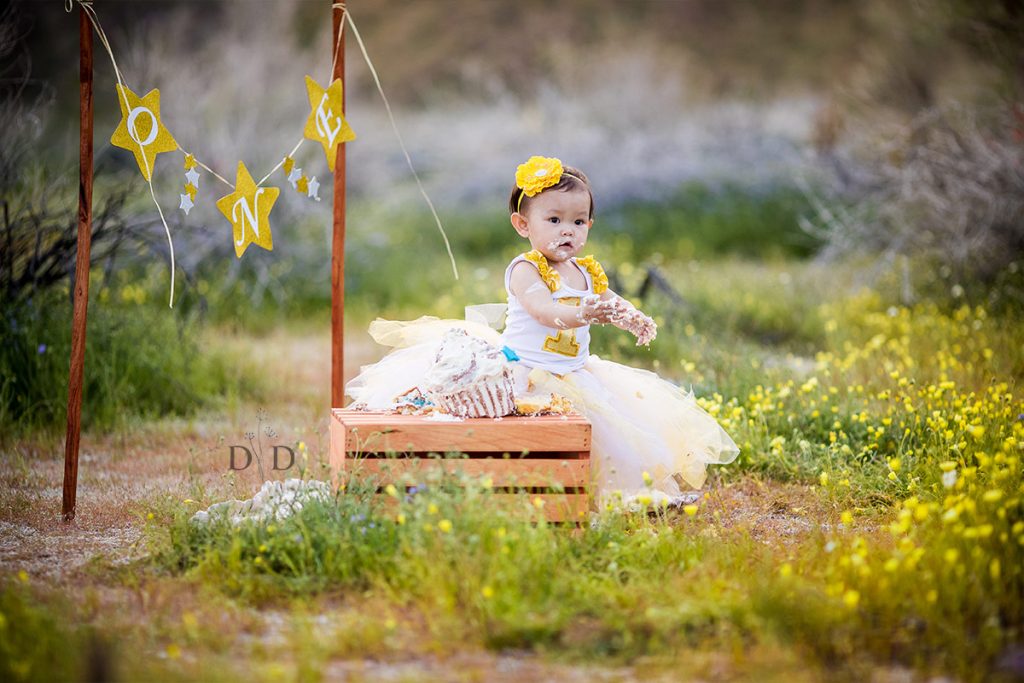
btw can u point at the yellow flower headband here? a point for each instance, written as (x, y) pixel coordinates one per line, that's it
(538, 174)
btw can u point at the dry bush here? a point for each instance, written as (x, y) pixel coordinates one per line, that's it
(947, 188)
(38, 207)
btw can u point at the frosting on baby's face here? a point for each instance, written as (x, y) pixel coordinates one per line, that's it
(556, 223)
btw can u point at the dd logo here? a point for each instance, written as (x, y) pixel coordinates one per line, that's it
(235, 450)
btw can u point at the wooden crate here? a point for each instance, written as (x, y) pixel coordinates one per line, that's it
(548, 456)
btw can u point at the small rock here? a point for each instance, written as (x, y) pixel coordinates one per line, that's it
(276, 500)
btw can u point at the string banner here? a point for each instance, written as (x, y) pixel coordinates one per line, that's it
(248, 206)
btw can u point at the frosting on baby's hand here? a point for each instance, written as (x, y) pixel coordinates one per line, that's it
(619, 312)
(593, 311)
(643, 328)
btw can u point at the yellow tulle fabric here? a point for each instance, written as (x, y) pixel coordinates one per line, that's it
(400, 334)
(640, 423)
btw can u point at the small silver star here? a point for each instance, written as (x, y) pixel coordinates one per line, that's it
(192, 177)
(186, 203)
(314, 189)
(294, 176)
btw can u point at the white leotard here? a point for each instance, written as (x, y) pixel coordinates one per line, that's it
(539, 346)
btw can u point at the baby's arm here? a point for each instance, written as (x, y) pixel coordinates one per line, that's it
(609, 307)
(612, 308)
(527, 285)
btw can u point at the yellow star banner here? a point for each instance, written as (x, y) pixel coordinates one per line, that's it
(140, 131)
(326, 124)
(248, 209)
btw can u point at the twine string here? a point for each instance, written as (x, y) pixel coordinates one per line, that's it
(90, 14)
(401, 143)
(334, 61)
(208, 169)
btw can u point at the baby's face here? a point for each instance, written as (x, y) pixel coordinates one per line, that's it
(556, 223)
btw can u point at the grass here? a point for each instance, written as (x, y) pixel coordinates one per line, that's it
(872, 525)
(142, 362)
(33, 639)
(888, 567)
(496, 579)
(904, 423)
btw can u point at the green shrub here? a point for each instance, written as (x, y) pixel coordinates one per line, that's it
(702, 221)
(471, 566)
(141, 360)
(35, 644)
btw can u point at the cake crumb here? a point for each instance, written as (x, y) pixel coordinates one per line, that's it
(443, 417)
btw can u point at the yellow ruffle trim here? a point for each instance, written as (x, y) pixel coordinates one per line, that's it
(552, 279)
(596, 273)
(548, 274)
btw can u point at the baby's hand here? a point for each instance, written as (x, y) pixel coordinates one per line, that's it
(643, 328)
(619, 312)
(595, 311)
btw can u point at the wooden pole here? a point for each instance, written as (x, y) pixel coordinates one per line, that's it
(81, 302)
(338, 243)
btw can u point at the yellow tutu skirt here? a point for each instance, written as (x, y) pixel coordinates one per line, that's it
(640, 423)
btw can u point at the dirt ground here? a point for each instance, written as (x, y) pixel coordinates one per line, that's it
(124, 475)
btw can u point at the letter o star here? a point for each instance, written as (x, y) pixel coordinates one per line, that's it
(140, 131)
(248, 209)
(326, 124)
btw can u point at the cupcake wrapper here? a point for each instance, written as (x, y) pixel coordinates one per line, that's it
(487, 400)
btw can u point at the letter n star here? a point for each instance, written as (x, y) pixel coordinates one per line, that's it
(248, 209)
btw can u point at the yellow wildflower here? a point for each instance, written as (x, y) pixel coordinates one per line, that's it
(992, 495)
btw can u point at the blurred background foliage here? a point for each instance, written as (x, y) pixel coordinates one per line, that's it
(833, 144)
(819, 201)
